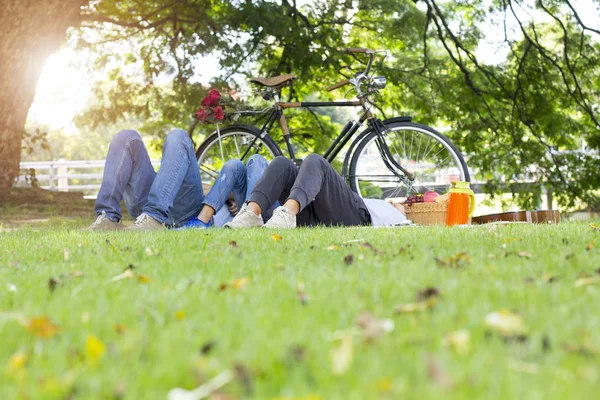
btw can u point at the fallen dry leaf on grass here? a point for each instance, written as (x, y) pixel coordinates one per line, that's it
(411, 308)
(437, 374)
(590, 246)
(94, 349)
(129, 274)
(42, 327)
(236, 284)
(203, 391)
(585, 349)
(549, 278)
(426, 299)
(179, 315)
(341, 356)
(594, 280)
(17, 364)
(120, 329)
(369, 246)
(594, 227)
(295, 354)
(53, 283)
(431, 292)
(207, 347)
(300, 294)
(373, 328)
(505, 322)
(456, 261)
(234, 244)
(276, 237)
(384, 385)
(524, 254)
(458, 340)
(349, 259)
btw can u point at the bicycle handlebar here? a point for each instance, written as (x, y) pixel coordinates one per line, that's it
(360, 76)
(338, 85)
(355, 50)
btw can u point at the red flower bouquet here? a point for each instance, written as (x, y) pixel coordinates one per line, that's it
(211, 112)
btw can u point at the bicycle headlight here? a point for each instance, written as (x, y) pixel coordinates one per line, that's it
(379, 82)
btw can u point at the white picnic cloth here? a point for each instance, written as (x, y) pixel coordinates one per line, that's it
(383, 213)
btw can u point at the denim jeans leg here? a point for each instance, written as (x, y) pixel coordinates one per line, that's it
(222, 217)
(255, 167)
(176, 194)
(232, 178)
(128, 174)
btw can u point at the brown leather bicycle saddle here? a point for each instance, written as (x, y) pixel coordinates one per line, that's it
(274, 81)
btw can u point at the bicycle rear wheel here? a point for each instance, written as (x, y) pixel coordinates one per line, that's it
(232, 142)
(427, 154)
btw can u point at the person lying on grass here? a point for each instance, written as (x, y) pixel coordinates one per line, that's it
(314, 194)
(173, 197)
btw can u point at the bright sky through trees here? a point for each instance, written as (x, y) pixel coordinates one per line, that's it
(64, 87)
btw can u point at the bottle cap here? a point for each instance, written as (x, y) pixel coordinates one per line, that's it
(461, 185)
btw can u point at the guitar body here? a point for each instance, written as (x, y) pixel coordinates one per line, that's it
(532, 217)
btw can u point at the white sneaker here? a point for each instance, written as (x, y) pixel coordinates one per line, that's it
(145, 223)
(281, 219)
(104, 224)
(245, 219)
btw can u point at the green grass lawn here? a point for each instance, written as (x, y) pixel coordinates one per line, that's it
(281, 315)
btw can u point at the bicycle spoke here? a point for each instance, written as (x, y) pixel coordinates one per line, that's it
(419, 148)
(209, 171)
(404, 133)
(426, 155)
(236, 146)
(427, 149)
(229, 144)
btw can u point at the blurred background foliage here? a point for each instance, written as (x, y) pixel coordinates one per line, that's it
(513, 116)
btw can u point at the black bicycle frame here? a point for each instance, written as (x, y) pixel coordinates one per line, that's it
(341, 140)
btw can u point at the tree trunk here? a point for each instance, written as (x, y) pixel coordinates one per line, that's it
(30, 30)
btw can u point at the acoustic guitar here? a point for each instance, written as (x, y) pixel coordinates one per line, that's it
(532, 217)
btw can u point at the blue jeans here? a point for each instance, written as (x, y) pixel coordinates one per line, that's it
(237, 178)
(174, 194)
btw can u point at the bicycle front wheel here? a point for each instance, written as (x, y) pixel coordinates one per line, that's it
(232, 142)
(427, 154)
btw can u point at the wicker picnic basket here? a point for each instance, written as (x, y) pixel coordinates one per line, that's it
(427, 213)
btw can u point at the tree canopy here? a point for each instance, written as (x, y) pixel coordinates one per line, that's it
(526, 115)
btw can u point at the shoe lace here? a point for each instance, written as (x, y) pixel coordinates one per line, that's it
(285, 215)
(99, 219)
(140, 220)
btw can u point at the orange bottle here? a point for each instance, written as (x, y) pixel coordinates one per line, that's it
(462, 204)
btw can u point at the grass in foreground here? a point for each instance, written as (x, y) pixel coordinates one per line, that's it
(100, 316)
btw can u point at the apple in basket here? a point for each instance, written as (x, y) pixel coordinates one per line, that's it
(429, 197)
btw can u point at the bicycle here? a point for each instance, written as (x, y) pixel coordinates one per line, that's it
(389, 159)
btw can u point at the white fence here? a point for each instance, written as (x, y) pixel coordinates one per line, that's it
(59, 175)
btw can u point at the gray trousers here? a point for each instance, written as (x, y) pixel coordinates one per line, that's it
(323, 195)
